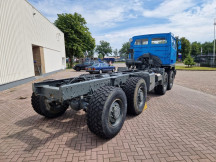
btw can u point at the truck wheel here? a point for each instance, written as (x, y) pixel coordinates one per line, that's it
(49, 110)
(136, 92)
(161, 89)
(171, 77)
(107, 111)
(35, 103)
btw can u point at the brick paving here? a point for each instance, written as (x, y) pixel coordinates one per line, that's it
(179, 126)
(204, 81)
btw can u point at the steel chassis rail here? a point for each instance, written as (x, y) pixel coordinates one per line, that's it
(62, 90)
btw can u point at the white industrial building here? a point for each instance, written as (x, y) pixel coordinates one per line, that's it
(30, 45)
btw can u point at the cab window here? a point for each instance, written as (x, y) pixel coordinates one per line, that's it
(158, 41)
(141, 42)
(138, 42)
(144, 41)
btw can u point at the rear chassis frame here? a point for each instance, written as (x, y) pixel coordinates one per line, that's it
(66, 90)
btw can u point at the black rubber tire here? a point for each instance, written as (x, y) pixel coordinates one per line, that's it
(131, 88)
(171, 77)
(161, 89)
(40, 107)
(77, 68)
(35, 101)
(98, 119)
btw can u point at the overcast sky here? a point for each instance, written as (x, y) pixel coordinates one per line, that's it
(116, 21)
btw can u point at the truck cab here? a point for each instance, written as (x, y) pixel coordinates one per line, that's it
(163, 45)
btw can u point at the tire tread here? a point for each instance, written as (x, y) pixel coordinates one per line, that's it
(129, 89)
(40, 107)
(95, 110)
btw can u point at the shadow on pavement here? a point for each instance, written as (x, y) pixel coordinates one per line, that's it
(69, 129)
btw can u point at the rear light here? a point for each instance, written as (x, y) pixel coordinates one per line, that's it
(86, 68)
(93, 69)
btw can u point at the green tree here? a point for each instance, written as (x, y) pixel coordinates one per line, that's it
(185, 47)
(189, 61)
(207, 48)
(90, 54)
(78, 39)
(104, 48)
(124, 50)
(195, 49)
(177, 45)
(115, 52)
(100, 56)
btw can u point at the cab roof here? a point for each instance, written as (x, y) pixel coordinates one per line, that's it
(154, 35)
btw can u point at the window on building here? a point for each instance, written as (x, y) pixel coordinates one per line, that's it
(158, 41)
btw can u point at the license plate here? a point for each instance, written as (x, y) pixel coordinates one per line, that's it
(89, 68)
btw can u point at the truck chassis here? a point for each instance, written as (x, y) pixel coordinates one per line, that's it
(105, 97)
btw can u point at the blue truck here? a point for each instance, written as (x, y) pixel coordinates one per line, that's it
(155, 51)
(163, 46)
(107, 98)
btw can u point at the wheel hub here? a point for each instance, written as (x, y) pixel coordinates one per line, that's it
(140, 96)
(52, 106)
(115, 112)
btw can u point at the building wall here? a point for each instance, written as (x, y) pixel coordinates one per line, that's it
(53, 60)
(22, 26)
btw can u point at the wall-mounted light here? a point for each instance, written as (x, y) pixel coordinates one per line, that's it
(33, 11)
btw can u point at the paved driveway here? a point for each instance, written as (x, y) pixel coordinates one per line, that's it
(204, 81)
(179, 126)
